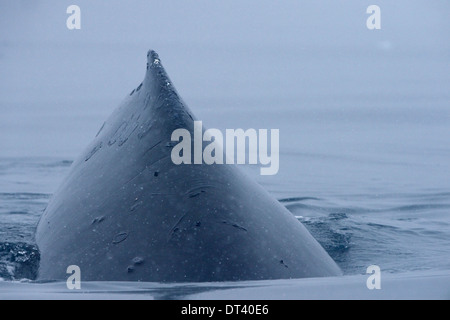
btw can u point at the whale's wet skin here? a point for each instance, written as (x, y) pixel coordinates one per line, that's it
(126, 211)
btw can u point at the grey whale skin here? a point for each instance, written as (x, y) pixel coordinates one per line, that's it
(125, 212)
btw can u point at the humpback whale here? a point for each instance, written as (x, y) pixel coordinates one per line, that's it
(126, 212)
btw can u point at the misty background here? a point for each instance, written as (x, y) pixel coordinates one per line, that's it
(312, 69)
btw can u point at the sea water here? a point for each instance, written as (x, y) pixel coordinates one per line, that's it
(364, 123)
(384, 202)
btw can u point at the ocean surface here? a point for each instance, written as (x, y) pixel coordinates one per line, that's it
(364, 117)
(388, 204)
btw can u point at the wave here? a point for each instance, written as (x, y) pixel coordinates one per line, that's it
(18, 261)
(23, 196)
